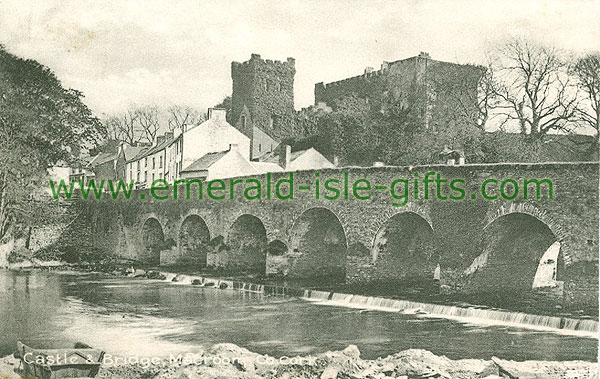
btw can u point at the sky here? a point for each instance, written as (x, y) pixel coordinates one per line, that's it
(124, 53)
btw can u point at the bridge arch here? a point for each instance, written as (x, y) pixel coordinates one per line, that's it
(516, 245)
(193, 237)
(541, 215)
(318, 239)
(403, 250)
(153, 240)
(247, 242)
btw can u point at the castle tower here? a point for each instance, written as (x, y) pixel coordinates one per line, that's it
(263, 95)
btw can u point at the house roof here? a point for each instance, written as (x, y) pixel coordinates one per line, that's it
(101, 158)
(273, 156)
(296, 154)
(146, 151)
(132, 151)
(205, 161)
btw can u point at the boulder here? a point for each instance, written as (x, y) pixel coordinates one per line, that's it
(351, 351)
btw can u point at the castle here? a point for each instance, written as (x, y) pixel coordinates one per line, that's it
(262, 101)
(263, 93)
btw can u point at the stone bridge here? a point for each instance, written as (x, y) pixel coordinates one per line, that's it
(470, 243)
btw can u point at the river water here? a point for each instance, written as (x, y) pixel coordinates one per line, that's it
(140, 317)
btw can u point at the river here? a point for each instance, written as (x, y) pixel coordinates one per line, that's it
(141, 317)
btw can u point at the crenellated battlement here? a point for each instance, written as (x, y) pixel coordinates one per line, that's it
(256, 62)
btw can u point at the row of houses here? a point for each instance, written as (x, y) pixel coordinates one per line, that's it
(210, 150)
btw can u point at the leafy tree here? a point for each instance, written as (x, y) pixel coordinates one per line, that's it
(41, 124)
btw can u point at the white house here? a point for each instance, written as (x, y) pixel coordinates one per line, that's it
(220, 165)
(308, 159)
(213, 135)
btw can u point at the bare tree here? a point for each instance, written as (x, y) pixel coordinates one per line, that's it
(123, 127)
(587, 72)
(535, 89)
(182, 115)
(148, 122)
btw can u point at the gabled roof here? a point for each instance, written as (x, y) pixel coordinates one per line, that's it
(296, 154)
(101, 158)
(205, 161)
(273, 156)
(132, 151)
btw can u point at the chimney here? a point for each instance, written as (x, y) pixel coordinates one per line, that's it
(160, 139)
(285, 157)
(217, 114)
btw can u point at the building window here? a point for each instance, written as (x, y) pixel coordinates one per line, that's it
(153, 163)
(160, 162)
(145, 176)
(152, 177)
(259, 147)
(138, 177)
(138, 165)
(146, 162)
(244, 121)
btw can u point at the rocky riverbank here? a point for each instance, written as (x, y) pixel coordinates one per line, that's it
(231, 361)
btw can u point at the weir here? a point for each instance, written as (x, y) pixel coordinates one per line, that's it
(571, 326)
(588, 328)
